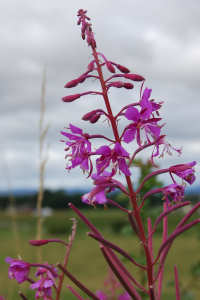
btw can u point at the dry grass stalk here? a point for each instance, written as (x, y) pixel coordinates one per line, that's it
(42, 161)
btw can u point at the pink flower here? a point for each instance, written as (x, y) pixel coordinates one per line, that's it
(166, 147)
(115, 156)
(142, 121)
(18, 269)
(173, 192)
(103, 184)
(80, 148)
(124, 296)
(133, 130)
(95, 196)
(101, 295)
(45, 284)
(184, 171)
(146, 105)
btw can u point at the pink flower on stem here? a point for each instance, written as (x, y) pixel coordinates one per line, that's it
(104, 183)
(150, 126)
(173, 192)
(116, 156)
(184, 171)
(166, 147)
(148, 106)
(45, 284)
(142, 121)
(80, 148)
(18, 269)
(95, 196)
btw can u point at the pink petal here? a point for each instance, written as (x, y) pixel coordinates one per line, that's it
(129, 135)
(132, 114)
(120, 150)
(123, 166)
(104, 150)
(75, 129)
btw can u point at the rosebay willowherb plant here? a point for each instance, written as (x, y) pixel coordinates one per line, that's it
(103, 165)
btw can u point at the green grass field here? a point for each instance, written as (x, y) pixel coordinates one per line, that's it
(86, 261)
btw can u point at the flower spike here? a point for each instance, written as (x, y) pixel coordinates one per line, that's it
(86, 29)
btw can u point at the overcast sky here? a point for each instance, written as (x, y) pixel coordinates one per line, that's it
(157, 39)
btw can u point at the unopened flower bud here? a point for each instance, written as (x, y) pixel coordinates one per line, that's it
(110, 67)
(38, 242)
(184, 171)
(117, 84)
(134, 77)
(128, 85)
(82, 78)
(71, 83)
(122, 68)
(71, 98)
(91, 66)
(93, 116)
(121, 84)
(76, 81)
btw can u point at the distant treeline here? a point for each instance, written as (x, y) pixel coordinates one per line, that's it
(59, 199)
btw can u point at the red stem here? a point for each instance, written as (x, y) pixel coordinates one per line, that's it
(78, 283)
(105, 96)
(165, 233)
(162, 171)
(178, 296)
(67, 253)
(143, 239)
(120, 274)
(167, 212)
(116, 248)
(128, 179)
(75, 293)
